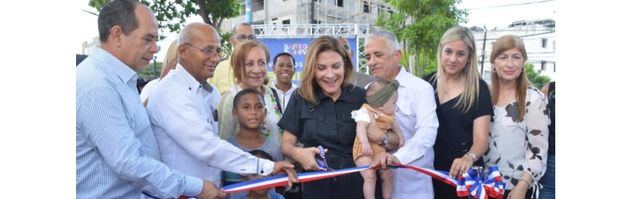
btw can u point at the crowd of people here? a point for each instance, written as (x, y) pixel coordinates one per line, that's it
(208, 122)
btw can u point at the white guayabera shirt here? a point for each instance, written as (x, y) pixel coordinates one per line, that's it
(416, 115)
(182, 122)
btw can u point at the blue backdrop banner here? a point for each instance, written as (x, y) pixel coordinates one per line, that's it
(298, 48)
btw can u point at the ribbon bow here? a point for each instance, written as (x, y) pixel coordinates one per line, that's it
(471, 184)
(478, 186)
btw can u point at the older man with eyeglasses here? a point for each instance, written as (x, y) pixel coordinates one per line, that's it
(182, 121)
(223, 79)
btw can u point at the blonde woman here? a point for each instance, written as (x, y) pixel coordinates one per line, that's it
(169, 63)
(463, 108)
(249, 63)
(519, 132)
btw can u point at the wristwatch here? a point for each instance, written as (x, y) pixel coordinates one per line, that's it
(386, 139)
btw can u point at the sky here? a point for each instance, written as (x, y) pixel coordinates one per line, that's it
(500, 13)
(496, 13)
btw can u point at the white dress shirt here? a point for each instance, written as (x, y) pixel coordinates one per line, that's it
(212, 100)
(416, 115)
(183, 127)
(148, 88)
(284, 97)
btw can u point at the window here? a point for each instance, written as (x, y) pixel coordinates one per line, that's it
(257, 5)
(286, 21)
(544, 42)
(382, 9)
(366, 7)
(340, 3)
(543, 65)
(487, 75)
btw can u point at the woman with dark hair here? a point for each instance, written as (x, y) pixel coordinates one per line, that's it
(519, 129)
(318, 114)
(548, 181)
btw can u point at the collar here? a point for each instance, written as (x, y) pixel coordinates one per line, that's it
(292, 87)
(402, 77)
(124, 72)
(208, 87)
(347, 94)
(192, 84)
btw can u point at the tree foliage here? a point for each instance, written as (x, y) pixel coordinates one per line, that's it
(172, 14)
(419, 25)
(151, 71)
(535, 77)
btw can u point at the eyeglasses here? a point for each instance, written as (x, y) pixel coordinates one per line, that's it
(210, 51)
(245, 37)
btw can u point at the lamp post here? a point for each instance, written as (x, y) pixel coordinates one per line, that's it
(155, 67)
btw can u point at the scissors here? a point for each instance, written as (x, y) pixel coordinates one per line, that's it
(321, 160)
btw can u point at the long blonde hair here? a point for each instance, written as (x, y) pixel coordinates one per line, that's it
(501, 45)
(170, 60)
(471, 76)
(320, 45)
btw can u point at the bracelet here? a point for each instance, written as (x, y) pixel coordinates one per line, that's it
(472, 156)
(526, 181)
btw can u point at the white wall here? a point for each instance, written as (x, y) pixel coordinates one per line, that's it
(532, 38)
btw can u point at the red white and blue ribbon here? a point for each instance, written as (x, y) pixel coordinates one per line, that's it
(282, 179)
(470, 184)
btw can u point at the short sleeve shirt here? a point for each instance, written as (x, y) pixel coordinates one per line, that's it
(328, 123)
(269, 146)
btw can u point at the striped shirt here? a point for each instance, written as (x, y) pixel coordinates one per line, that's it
(117, 154)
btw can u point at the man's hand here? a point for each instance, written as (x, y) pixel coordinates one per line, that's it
(210, 191)
(393, 141)
(383, 160)
(287, 167)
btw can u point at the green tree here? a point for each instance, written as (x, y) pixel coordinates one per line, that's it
(537, 79)
(150, 73)
(171, 14)
(419, 24)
